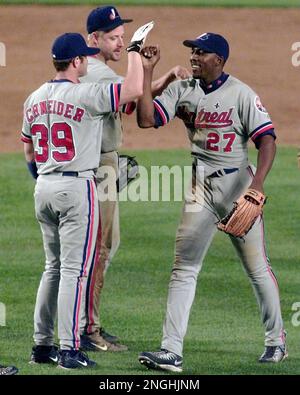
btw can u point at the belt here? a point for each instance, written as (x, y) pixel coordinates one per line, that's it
(85, 173)
(223, 172)
(70, 173)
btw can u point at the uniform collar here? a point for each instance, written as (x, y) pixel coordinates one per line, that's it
(214, 85)
(61, 80)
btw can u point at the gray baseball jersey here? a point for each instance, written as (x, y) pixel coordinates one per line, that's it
(74, 113)
(98, 71)
(220, 119)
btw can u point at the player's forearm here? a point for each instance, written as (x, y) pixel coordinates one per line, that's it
(161, 83)
(29, 152)
(145, 107)
(265, 158)
(29, 156)
(132, 87)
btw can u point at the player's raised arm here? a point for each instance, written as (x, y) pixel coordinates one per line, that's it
(175, 73)
(132, 86)
(145, 106)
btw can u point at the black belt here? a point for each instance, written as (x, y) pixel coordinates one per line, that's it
(70, 173)
(84, 173)
(223, 172)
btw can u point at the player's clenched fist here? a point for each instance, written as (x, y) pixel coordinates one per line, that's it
(139, 37)
(150, 56)
(150, 51)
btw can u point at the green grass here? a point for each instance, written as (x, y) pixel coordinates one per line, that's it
(225, 335)
(195, 3)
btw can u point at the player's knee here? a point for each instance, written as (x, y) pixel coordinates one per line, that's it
(187, 251)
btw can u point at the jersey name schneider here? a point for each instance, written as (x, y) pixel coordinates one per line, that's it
(66, 110)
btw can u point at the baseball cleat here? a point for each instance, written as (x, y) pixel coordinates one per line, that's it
(106, 336)
(162, 360)
(274, 354)
(8, 370)
(96, 342)
(74, 359)
(44, 354)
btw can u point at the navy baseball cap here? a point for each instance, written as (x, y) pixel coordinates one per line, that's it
(105, 19)
(69, 45)
(210, 42)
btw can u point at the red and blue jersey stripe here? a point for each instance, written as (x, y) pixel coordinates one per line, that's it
(115, 91)
(262, 130)
(25, 138)
(160, 114)
(129, 108)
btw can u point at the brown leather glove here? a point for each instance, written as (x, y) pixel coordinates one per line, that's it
(244, 213)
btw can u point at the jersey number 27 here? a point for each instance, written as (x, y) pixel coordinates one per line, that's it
(223, 143)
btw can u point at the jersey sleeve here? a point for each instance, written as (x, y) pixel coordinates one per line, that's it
(107, 78)
(101, 98)
(26, 130)
(255, 118)
(165, 105)
(128, 108)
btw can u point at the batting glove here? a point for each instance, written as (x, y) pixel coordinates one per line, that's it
(139, 37)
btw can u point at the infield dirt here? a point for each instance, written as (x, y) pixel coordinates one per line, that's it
(261, 55)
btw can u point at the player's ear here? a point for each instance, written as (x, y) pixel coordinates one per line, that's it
(93, 39)
(219, 60)
(76, 62)
(96, 36)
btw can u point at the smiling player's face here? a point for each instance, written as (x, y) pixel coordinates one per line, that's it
(205, 65)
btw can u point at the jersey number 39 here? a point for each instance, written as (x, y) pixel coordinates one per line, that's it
(60, 137)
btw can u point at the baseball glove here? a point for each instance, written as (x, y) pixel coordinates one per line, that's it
(244, 213)
(128, 171)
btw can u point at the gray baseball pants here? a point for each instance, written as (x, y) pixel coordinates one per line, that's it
(67, 210)
(201, 211)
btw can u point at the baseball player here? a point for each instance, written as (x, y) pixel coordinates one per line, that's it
(221, 114)
(105, 29)
(62, 144)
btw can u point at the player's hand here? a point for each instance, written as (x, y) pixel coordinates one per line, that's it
(139, 37)
(150, 56)
(257, 185)
(181, 73)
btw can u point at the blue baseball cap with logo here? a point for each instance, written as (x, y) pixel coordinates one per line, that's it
(105, 19)
(69, 45)
(210, 42)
